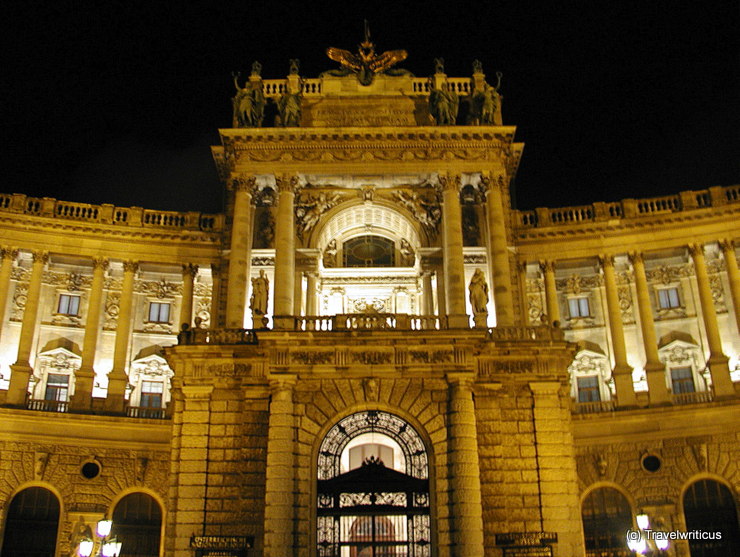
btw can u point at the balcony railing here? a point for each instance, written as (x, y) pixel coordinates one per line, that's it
(628, 208)
(109, 214)
(594, 407)
(48, 405)
(146, 412)
(692, 398)
(355, 321)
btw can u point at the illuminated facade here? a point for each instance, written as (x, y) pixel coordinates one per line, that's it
(372, 367)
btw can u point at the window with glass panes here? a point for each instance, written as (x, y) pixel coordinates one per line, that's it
(159, 312)
(579, 307)
(69, 304)
(151, 394)
(57, 387)
(668, 298)
(588, 389)
(682, 380)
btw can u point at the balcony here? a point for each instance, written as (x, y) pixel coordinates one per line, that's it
(48, 405)
(698, 397)
(595, 407)
(146, 412)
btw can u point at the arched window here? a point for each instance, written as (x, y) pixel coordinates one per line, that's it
(606, 518)
(137, 522)
(709, 507)
(32, 524)
(369, 251)
(373, 508)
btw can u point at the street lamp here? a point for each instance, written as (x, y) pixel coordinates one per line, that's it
(107, 547)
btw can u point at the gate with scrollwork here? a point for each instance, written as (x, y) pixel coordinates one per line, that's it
(373, 510)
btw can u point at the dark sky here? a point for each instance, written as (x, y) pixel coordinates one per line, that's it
(613, 99)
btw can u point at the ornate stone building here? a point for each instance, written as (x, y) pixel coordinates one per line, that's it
(385, 357)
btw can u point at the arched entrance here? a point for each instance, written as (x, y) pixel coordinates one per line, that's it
(373, 489)
(607, 516)
(137, 522)
(32, 524)
(709, 507)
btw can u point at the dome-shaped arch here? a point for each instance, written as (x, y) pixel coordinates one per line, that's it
(607, 514)
(352, 218)
(32, 521)
(138, 519)
(708, 503)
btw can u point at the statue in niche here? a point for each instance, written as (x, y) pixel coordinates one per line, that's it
(290, 109)
(470, 229)
(408, 257)
(258, 300)
(479, 298)
(443, 105)
(80, 531)
(249, 102)
(330, 254)
(310, 210)
(265, 230)
(485, 104)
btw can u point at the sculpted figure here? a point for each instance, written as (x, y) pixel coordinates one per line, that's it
(289, 106)
(485, 104)
(439, 65)
(249, 103)
(330, 254)
(408, 257)
(443, 105)
(258, 300)
(309, 212)
(478, 293)
(295, 64)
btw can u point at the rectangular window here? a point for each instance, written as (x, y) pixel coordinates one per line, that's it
(57, 387)
(588, 389)
(151, 394)
(68, 304)
(682, 380)
(579, 307)
(159, 312)
(668, 298)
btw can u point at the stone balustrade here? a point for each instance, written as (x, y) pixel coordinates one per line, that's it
(313, 87)
(628, 208)
(109, 214)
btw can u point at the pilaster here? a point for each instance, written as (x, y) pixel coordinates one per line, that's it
(189, 272)
(118, 378)
(551, 292)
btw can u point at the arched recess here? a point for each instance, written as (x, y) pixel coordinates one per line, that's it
(31, 524)
(137, 523)
(607, 515)
(373, 508)
(709, 506)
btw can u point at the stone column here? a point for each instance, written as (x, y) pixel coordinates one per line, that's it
(427, 295)
(280, 479)
(118, 378)
(453, 252)
(7, 257)
(189, 272)
(551, 292)
(556, 467)
(718, 362)
(464, 469)
(622, 371)
(21, 370)
(728, 250)
(498, 249)
(85, 376)
(311, 281)
(441, 294)
(240, 253)
(284, 252)
(654, 368)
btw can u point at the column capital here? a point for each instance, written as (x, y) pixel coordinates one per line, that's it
(288, 183)
(190, 269)
(696, 250)
(490, 181)
(244, 183)
(636, 257)
(547, 265)
(39, 255)
(463, 379)
(606, 260)
(449, 182)
(8, 253)
(727, 245)
(100, 263)
(130, 266)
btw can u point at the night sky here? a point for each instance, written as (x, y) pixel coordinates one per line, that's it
(120, 103)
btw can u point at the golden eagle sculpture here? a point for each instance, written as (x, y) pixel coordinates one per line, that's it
(366, 63)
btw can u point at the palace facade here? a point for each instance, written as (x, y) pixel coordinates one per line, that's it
(383, 358)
